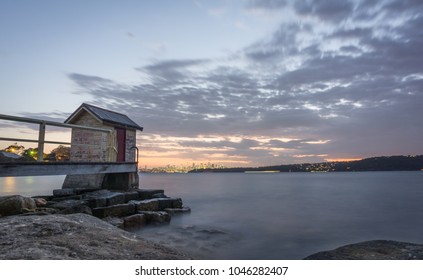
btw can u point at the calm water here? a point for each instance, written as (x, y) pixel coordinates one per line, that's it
(276, 216)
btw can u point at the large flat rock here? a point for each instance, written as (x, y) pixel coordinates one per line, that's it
(373, 250)
(75, 236)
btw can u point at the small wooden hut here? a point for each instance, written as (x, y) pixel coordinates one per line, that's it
(118, 145)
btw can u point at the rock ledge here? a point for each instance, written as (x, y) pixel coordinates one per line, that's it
(74, 236)
(373, 250)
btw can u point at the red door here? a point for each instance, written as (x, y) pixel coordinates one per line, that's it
(121, 143)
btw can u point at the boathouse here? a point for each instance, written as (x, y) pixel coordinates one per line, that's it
(116, 145)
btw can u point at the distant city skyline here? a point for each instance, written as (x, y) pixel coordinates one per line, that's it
(238, 83)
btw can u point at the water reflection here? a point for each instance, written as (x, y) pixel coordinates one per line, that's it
(9, 184)
(29, 180)
(30, 185)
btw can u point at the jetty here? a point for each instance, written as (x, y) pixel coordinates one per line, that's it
(103, 151)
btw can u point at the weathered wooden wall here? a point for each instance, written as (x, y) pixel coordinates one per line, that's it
(89, 146)
(130, 142)
(93, 146)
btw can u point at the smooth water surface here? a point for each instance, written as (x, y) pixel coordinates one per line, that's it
(279, 216)
(289, 215)
(30, 185)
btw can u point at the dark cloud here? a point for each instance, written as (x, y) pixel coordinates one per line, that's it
(353, 33)
(351, 90)
(87, 81)
(283, 43)
(398, 6)
(171, 70)
(325, 10)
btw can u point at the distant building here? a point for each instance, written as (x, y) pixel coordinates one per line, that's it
(96, 146)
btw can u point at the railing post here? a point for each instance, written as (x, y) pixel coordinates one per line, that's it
(41, 136)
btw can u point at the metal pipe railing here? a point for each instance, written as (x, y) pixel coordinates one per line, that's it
(33, 141)
(38, 121)
(42, 130)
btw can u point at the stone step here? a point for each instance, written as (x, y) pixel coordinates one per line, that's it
(140, 206)
(119, 210)
(156, 218)
(73, 191)
(173, 211)
(157, 204)
(148, 193)
(105, 198)
(136, 220)
(125, 209)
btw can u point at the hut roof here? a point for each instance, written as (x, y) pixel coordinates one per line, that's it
(104, 116)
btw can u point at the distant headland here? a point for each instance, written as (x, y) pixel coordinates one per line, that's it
(383, 163)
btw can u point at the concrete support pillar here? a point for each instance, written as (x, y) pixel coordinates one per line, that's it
(121, 181)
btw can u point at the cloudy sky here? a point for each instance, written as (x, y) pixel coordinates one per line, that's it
(243, 83)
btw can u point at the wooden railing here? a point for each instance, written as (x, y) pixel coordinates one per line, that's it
(42, 131)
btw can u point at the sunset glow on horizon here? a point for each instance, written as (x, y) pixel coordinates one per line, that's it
(238, 83)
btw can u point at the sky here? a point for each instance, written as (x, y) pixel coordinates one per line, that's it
(236, 82)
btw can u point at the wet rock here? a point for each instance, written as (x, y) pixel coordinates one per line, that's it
(159, 195)
(115, 198)
(73, 191)
(69, 197)
(16, 204)
(27, 210)
(148, 194)
(85, 190)
(115, 221)
(373, 250)
(131, 196)
(46, 197)
(165, 203)
(71, 207)
(136, 220)
(169, 203)
(157, 204)
(97, 198)
(177, 203)
(40, 202)
(40, 211)
(77, 209)
(156, 218)
(120, 210)
(104, 198)
(64, 204)
(173, 211)
(146, 205)
(63, 192)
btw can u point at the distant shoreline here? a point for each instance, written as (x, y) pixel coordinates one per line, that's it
(391, 163)
(383, 163)
(272, 172)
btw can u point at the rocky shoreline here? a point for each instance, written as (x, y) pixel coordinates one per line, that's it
(373, 250)
(85, 224)
(74, 237)
(88, 224)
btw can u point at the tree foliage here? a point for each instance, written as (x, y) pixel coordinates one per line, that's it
(15, 148)
(61, 153)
